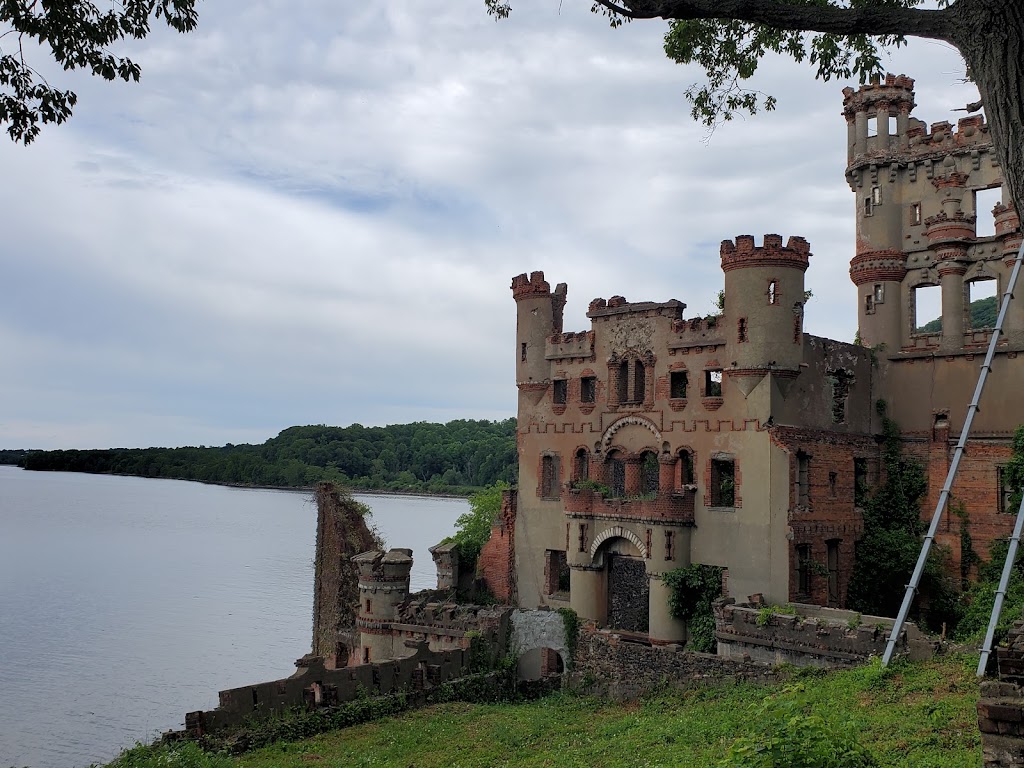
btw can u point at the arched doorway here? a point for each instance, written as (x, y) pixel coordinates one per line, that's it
(628, 586)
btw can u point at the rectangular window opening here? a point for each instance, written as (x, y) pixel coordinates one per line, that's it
(557, 572)
(832, 479)
(869, 207)
(803, 486)
(872, 126)
(984, 201)
(915, 213)
(840, 381)
(893, 126)
(927, 309)
(879, 293)
(741, 330)
(670, 548)
(686, 476)
(803, 569)
(1006, 504)
(876, 195)
(713, 382)
(860, 481)
(677, 384)
(869, 304)
(549, 477)
(522, 351)
(622, 382)
(588, 389)
(639, 383)
(561, 391)
(723, 483)
(833, 571)
(984, 303)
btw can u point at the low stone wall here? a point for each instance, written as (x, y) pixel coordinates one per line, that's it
(623, 666)
(313, 684)
(813, 636)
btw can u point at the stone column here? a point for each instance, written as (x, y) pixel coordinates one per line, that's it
(951, 277)
(588, 593)
(661, 625)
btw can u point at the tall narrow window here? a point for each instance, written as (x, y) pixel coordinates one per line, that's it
(773, 287)
(723, 483)
(872, 126)
(860, 481)
(803, 485)
(639, 382)
(832, 479)
(833, 571)
(803, 569)
(713, 382)
(588, 389)
(869, 304)
(561, 390)
(581, 465)
(927, 309)
(622, 381)
(686, 474)
(879, 293)
(876, 195)
(549, 477)
(741, 330)
(649, 476)
(984, 201)
(677, 384)
(616, 474)
(869, 207)
(841, 381)
(1005, 491)
(915, 214)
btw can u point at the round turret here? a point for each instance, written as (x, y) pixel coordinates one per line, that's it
(764, 301)
(383, 587)
(539, 315)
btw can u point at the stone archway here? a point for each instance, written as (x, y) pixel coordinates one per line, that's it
(539, 643)
(628, 588)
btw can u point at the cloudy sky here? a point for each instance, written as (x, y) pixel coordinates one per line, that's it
(311, 213)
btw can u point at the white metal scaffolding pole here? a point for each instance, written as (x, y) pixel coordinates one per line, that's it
(940, 507)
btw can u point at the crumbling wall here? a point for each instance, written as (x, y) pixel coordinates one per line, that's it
(812, 637)
(1001, 706)
(496, 563)
(625, 667)
(342, 532)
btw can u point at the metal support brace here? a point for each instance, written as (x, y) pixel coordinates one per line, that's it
(1004, 580)
(947, 486)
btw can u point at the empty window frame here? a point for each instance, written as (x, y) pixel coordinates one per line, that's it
(556, 567)
(615, 474)
(723, 482)
(549, 476)
(522, 351)
(879, 293)
(1005, 490)
(860, 481)
(677, 383)
(622, 382)
(833, 478)
(687, 476)
(840, 382)
(741, 330)
(869, 304)
(893, 125)
(670, 545)
(983, 302)
(588, 389)
(832, 561)
(713, 382)
(561, 391)
(803, 569)
(773, 291)
(984, 201)
(869, 206)
(876, 195)
(639, 382)
(872, 126)
(803, 482)
(649, 473)
(581, 465)
(915, 214)
(927, 301)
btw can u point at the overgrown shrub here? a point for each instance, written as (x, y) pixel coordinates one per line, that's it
(692, 589)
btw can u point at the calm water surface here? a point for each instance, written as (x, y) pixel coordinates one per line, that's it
(125, 602)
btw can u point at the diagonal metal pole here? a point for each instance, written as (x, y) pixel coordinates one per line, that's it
(1004, 581)
(940, 507)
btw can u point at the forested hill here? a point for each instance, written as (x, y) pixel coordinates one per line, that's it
(453, 457)
(983, 315)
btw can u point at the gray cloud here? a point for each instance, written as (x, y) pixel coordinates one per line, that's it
(312, 214)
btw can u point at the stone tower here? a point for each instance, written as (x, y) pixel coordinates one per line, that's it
(383, 587)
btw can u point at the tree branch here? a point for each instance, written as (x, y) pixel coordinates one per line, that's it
(830, 19)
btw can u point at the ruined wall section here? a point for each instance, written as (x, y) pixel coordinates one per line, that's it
(496, 563)
(341, 533)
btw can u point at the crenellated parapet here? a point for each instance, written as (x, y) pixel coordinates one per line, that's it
(896, 92)
(526, 286)
(744, 253)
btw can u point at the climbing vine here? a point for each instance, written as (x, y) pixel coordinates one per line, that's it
(692, 589)
(571, 622)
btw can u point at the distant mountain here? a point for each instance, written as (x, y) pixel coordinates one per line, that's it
(983, 315)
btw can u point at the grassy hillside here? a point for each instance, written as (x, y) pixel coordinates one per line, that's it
(983, 315)
(912, 716)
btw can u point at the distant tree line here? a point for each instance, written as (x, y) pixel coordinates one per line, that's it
(457, 457)
(983, 315)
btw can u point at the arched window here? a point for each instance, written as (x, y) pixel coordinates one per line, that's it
(649, 473)
(622, 381)
(581, 465)
(639, 382)
(615, 474)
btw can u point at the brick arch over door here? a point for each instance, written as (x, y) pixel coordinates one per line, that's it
(626, 421)
(616, 532)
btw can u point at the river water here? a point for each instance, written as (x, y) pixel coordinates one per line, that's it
(125, 602)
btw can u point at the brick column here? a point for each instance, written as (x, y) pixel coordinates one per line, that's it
(634, 475)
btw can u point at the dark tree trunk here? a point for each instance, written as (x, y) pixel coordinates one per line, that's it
(990, 35)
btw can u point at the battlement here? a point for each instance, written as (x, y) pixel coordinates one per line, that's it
(376, 567)
(617, 305)
(534, 285)
(896, 91)
(744, 253)
(942, 136)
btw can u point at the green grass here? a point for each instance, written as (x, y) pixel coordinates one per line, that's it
(912, 716)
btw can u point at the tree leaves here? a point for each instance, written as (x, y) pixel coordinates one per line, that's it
(79, 36)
